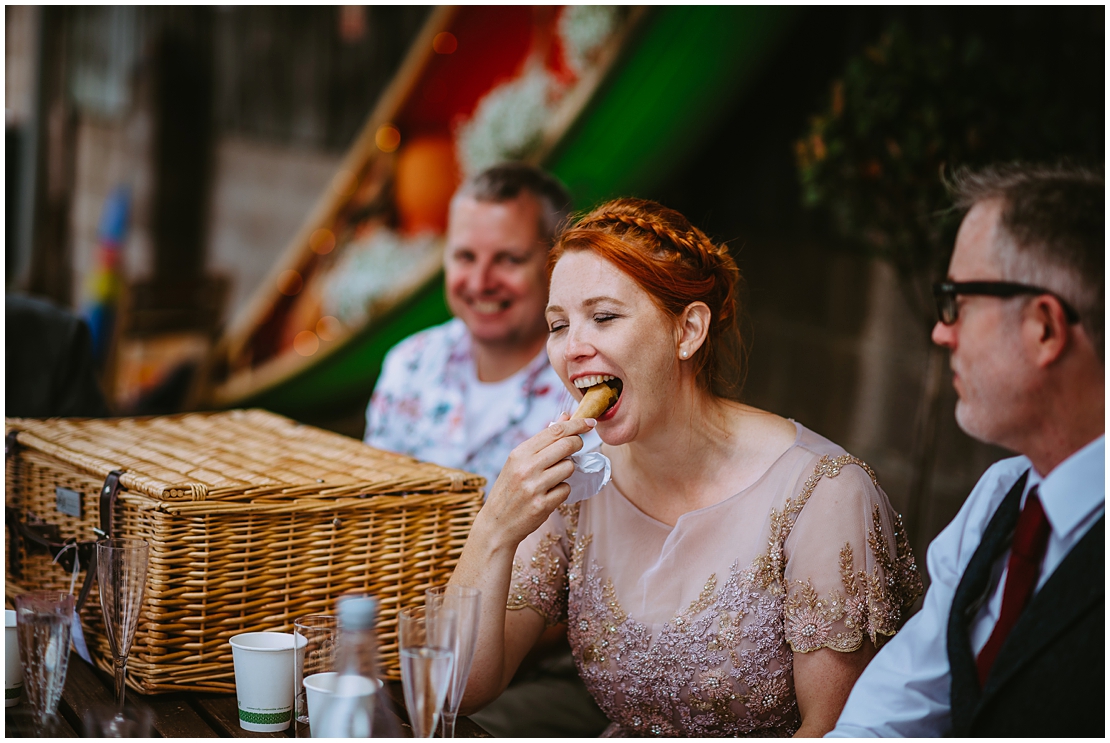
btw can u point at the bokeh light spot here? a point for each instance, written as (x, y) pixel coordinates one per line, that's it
(328, 328)
(387, 138)
(290, 283)
(306, 343)
(445, 43)
(322, 241)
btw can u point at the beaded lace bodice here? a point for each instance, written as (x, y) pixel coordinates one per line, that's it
(690, 630)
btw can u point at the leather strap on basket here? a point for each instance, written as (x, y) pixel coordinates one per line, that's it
(11, 516)
(107, 507)
(108, 502)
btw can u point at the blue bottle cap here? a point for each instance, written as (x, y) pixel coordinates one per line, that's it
(357, 612)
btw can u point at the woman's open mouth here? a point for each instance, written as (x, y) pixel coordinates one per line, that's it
(601, 392)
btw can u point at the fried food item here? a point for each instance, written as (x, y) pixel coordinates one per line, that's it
(596, 401)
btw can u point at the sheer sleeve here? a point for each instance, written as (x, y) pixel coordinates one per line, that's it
(849, 571)
(539, 580)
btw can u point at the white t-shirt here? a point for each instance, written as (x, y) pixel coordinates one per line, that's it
(490, 404)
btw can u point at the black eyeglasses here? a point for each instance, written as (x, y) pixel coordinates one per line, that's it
(945, 293)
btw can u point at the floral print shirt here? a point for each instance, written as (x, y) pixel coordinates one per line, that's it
(691, 629)
(419, 403)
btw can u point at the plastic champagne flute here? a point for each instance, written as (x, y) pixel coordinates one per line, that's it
(466, 603)
(426, 664)
(121, 574)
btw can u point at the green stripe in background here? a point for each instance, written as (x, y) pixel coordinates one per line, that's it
(688, 65)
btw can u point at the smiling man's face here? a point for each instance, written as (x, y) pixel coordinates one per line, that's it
(494, 269)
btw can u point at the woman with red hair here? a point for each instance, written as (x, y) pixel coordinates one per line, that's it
(738, 571)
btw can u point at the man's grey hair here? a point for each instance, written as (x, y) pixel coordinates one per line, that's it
(1053, 221)
(506, 181)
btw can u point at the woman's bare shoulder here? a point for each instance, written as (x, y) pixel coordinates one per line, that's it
(760, 430)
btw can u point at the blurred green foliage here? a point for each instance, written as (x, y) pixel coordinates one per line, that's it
(914, 106)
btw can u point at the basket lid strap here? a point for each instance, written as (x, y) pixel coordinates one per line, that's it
(11, 442)
(108, 502)
(11, 520)
(107, 506)
(11, 517)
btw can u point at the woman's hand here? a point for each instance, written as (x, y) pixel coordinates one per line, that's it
(532, 482)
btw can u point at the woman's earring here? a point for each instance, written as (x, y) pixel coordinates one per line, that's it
(684, 354)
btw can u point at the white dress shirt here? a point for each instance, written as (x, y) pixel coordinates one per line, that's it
(905, 689)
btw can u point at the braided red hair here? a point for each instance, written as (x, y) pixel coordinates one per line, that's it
(676, 263)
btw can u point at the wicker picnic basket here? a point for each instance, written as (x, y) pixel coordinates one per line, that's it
(252, 519)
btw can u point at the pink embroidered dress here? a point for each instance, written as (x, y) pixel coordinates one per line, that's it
(690, 630)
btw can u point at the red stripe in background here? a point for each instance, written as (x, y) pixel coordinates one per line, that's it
(493, 45)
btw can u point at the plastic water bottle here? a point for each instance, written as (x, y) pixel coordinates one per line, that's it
(358, 708)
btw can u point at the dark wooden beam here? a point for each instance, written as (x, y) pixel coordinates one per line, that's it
(51, 269)
(183, 150)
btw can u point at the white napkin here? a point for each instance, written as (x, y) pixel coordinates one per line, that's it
(592, 471)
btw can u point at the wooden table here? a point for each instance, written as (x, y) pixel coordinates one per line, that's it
(177, 715)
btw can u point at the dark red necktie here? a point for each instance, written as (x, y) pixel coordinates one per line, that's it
(1022, 571)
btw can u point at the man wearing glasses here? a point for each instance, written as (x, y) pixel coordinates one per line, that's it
(1010, 640)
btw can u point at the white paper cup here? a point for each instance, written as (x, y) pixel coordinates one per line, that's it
(318, 688)
(13, 669)
(264, 679)
(321, 632)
